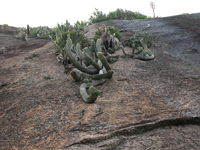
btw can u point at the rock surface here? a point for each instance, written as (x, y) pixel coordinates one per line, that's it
(145, 105)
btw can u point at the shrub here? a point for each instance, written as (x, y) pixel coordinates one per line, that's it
(98, 16)
(117, 14)
(5, 26)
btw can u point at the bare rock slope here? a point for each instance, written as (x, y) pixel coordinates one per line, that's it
(145, 105)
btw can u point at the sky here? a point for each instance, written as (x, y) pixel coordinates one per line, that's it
(19, 13)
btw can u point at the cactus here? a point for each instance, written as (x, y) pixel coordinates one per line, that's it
(94, 93)
(89, 60)
(78, 75)
(98, 45)
(103, 61)
(92, 77)
(79, 28)
(78, 51)
(28, 30)
(70, 27)
(146, 54)
(85, 30)
(73, 60)
(94, 48)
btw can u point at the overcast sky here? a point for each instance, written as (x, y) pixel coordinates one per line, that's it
(19, 13)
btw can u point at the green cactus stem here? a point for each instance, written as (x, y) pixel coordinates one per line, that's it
(68, 35)
(123, 50)
(28, 29)
(112, 59)
(133, 50)
(87, 50)
(94, 48)
(93, 92)
(98, 45)
(73, 60)
(103, 61)
(90, 61)
(78, 75)
(146, 54)
(144, 45)
(78, 51)
(85, 30)
(78, 28)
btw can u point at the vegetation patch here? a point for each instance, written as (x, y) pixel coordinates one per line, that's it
(31, 56)
(119, 14)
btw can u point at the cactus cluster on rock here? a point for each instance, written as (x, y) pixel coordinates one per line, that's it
(93, 71)
(143, 53)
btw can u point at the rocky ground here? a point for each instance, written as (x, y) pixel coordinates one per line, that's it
(145, 105)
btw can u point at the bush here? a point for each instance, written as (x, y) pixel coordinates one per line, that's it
(117, 14)
(98, 16)
(5, 26)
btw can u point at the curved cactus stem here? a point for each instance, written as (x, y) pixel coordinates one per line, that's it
(140, 50)
(103, 61)
(144, 52)
(90, 61)
(78, 75)
(123, 50)
(93, 92)
(73, 60)
(144, 45)
(112, 59)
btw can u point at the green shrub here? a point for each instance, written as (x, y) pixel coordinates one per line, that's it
(141, 17)
(117, 14)
(5, 26)
(98, 16)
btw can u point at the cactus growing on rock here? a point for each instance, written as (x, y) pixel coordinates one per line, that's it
(97, 73)
(144, 53)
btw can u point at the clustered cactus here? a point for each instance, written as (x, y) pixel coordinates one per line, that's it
(143, 53)
(92, 71)
(135, 39)
(22, 35)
